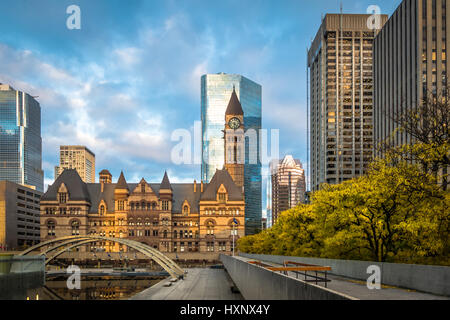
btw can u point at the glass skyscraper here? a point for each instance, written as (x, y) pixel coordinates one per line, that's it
(216, 90)
(20, 138)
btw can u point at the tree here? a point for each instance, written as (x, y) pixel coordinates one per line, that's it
(428, 127)
(396, 213)
(383, 214)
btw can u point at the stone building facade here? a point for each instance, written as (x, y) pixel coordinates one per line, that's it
(187, 217)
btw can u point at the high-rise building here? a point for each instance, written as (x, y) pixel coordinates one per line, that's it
(288, 185)
(19, 216)
(340, 63)
(20, 138)
(79, 158)
(216, 91)
(410, 57)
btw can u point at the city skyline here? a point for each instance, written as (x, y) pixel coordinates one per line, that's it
(85, 94)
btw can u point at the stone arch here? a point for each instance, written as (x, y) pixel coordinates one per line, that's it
(208, 221)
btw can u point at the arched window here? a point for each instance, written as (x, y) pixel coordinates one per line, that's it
(210, 228)
(175, 234)
(102, 210)
(75, 228)
(132, 206)
(186, 209)
(51, 228)
(165, 234)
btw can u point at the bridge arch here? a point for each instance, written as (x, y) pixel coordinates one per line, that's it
(167, 264)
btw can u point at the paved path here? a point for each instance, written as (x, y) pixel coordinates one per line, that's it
(198, 284)
(358, 289)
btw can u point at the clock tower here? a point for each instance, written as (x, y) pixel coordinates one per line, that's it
(235, 140)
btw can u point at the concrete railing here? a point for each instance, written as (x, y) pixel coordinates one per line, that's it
(430, 279)
(257, 283)
(17, 274)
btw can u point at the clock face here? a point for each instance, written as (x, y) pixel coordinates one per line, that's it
(234, 123)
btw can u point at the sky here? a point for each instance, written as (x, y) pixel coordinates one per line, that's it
(131, 75)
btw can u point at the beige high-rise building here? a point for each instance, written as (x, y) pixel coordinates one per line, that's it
(287, 184)
(410, 56)
(19, 216)
(340, 63)
(79, 158)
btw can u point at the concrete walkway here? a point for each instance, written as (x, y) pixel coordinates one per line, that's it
(358, 289)
(199, 284)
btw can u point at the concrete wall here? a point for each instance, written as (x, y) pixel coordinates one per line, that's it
(257, 283)
(430, 279)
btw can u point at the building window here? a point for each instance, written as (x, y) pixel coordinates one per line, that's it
(143, 188)
(102, 210)
(120, 205)
(222, 246)
(62, 198)
(75, 228)
(165, 205)
(186, 209)
(210, 228)
(51, 228)
(222, 197)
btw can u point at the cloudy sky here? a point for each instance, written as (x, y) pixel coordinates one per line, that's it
(131, 76)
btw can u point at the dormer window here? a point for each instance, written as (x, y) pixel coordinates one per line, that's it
(102, 210)
(143, 188)
(62, 198)
(185, 209)
(222, 197)
(62, 194)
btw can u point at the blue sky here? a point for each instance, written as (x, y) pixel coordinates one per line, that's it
(131, 75)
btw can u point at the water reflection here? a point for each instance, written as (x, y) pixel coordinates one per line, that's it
(104, 289)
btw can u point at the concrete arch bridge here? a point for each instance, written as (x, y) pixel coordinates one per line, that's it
(56, 247)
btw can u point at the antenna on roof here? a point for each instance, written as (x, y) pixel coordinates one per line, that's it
(342, 7)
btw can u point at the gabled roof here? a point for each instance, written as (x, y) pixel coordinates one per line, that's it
(122, 183)
(76, 188)
(165, 184)
(219, 178)
(234, 106)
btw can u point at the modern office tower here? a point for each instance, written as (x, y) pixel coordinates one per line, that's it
(288, 185)
(341, 98)
(20, 138)
(410, 56)
(19, 216)
(216, 91)
(79, 158)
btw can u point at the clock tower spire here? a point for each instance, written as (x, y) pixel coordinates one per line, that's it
(235, 140)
